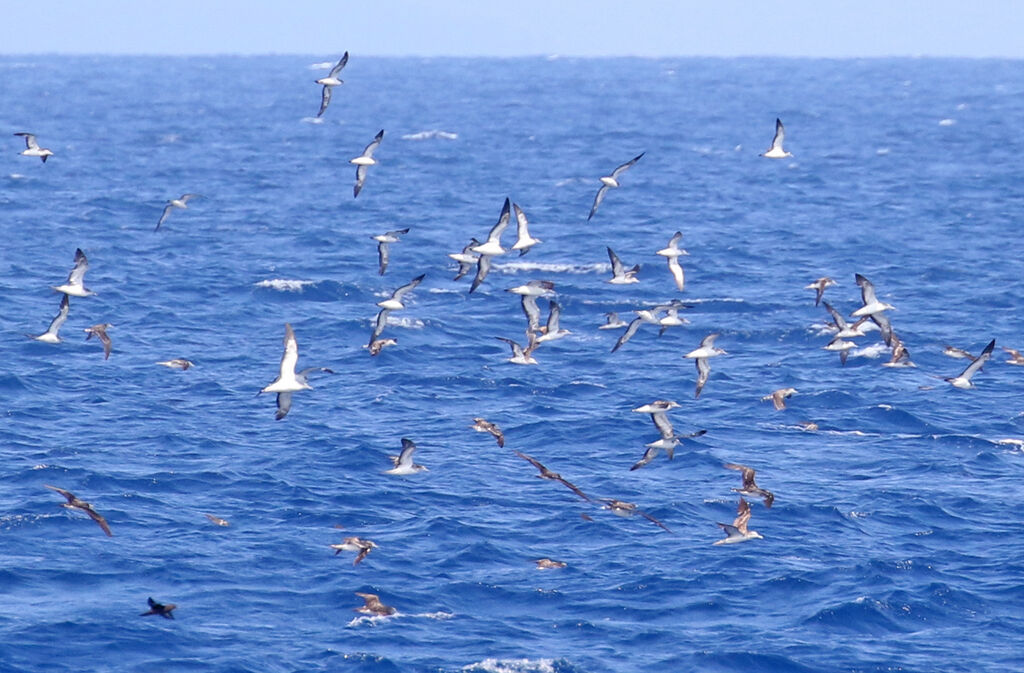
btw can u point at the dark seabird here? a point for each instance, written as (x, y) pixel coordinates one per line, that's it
(701, 355)
(373, 606)
(51, 335)
(217, 520)
(180, 202)
(284, 399)
(610, 181)
(778, 397)
(403, 464)
(377, 345)
(523, 239)
(776, 151)
(750, 488)
(364, 160)
(819, 287)
(75, 285)
(360, 546)
(548, 564)
(483, 425)
(959, 353)
(900, 355)
(737, 531)
(964, 379)
(545, 473)
(382, 247)
(100, 332)
(162, 609)
(627, 509)
(620, 274)
(32, 148)
(330, 82)
(74, 503)
(1016, 358)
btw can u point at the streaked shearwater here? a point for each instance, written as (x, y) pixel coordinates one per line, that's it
(776, 151)
(673, 252)
(778, 397)
(1016, 358)
(958, 353)
(358, 545)
(609, 181)
(707, 350)
(382, 247)
(845, 330)
(628, 509)
(871, 303)
(819, 287)
(73, 502)
(217, 520)
(483, 425)
(100, 332)
(842, 346)
(363, 160)
(377, 345)
(642, 316)
(32, 148)
(520, 355)
(964, 379)
(467, 259)
(75, 285)
(51, 335)
(330, 82)
(394, 302)
(620, 274)
(548, 564)
(545, 473)
(492, 246)
(553, 330)
(180, 202)
(373, 606)
(403, 464)
(287, 381)
(284, 399)
(162, 609)
(737, 532)
(612, 321)
(750, 487)
(177, 363)
(523, 239)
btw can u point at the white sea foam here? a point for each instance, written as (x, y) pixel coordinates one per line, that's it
(283, 285)
(513, 666)
(430, 135)
(410, 323)
(550, 267)
(947, 122)
(322, 65)
(313, 120)
(872, 351)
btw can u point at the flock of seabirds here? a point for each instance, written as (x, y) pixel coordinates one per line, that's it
(870, 316)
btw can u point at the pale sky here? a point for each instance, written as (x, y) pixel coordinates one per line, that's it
(816, 28)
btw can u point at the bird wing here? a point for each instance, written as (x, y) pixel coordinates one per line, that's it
(867, 289)
(408, 287)
(325, 99)
(284, 405)
(363, 552)
(341, 64)
(839, 320)
(532, 461)
(77, 275)
(360, 179)
(405, 457)
(780, 135)
(554, 315)
(628, 334)
(95, 516)
(651, 518)
(703, 370)
(663, 424)
(105, 340)
(382, 321)
(163, 216)
(30, 140)
(517, 350)
(598, 198)
(374, 144)
(708, 341)
(502, 223)
(68, 495)
(677, 272)
(483, 265)
(62, 315)
(382, 257)
(977, 364)
(742, 516)
(617, 267)
(291, 353)
(648, 456)
(529, 303)
(626, 166)
(884, 326)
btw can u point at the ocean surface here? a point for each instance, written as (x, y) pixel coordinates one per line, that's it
(895, 542)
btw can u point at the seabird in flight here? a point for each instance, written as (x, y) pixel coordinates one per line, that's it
(778, 397)
(467, 259)
(673, 252)
(403, 464)
(523, 240)
(100, 332)
(394, 302)
(620, 274)
(180, 202)
(51, 335)
(32, 148)
(964, 379)
(382, 247)
(737, 532)
(330, 82)
(358, 545)
(628, 509)
(609, 181)
(871, 303)
(162, 609)
(776, 151)
(73, 502)
(284, 399)
(75, 284)
(545, 473)
(483, 425)
(520, 355)
(750, 487)
(707, 350)
(373, 606)
(363, 160)
(819, 287)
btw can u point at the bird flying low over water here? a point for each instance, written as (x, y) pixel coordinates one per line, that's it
(73, 502)
(776, 151)
(523, 239)
(491, 247)
(373, 606)
(628, 509)
(284, 398)
(672, 252)
(180, 202)
(737, 531)
(287, 381)
(871, 304)
(363, 160)
(520, 355)
(553, 329)
(403, 464)
(483, 425)
(467, 259)
(610, 181)
(75, 284)
(361, 547)
(394, 302)
(620, 274)
(819, 287)
(51, 335)
(100, 332)
(964, 379)
(162, 609)
(750, 487)
(642, 316)
(1016, 357)
(177, 363)
(545, 473)
(778, 397)
(329, 83)
(382, 246)
(707, 350)
(612, 321)
(32, 148)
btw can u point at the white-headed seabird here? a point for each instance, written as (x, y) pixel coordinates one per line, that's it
(330, 82)
(32, 148)
(620, 274)
(180, 202)
(707, 350)
(287, 381)
(642, 316)
(284, 399)
(467, 259)
(737, 531)
(628, 509)
(819, 287)
(394, 302)
(382, 247)
(1016, 357)
(52, 333)
(964, 379)
(75, 285)
(553, 330)
(673, 252)
(612, 321)
(776, 151)
(520, 355)
(841, 346)
(610, 181)
(177, 363)
(403, 464)
(363, 160)
(491, 247)
(871, 303)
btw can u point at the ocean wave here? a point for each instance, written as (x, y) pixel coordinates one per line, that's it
(513, 666)
(430, 135)
(410, 323)
(551, 267)
(283, 285)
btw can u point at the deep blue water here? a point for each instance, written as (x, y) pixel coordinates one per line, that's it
(895, 541)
